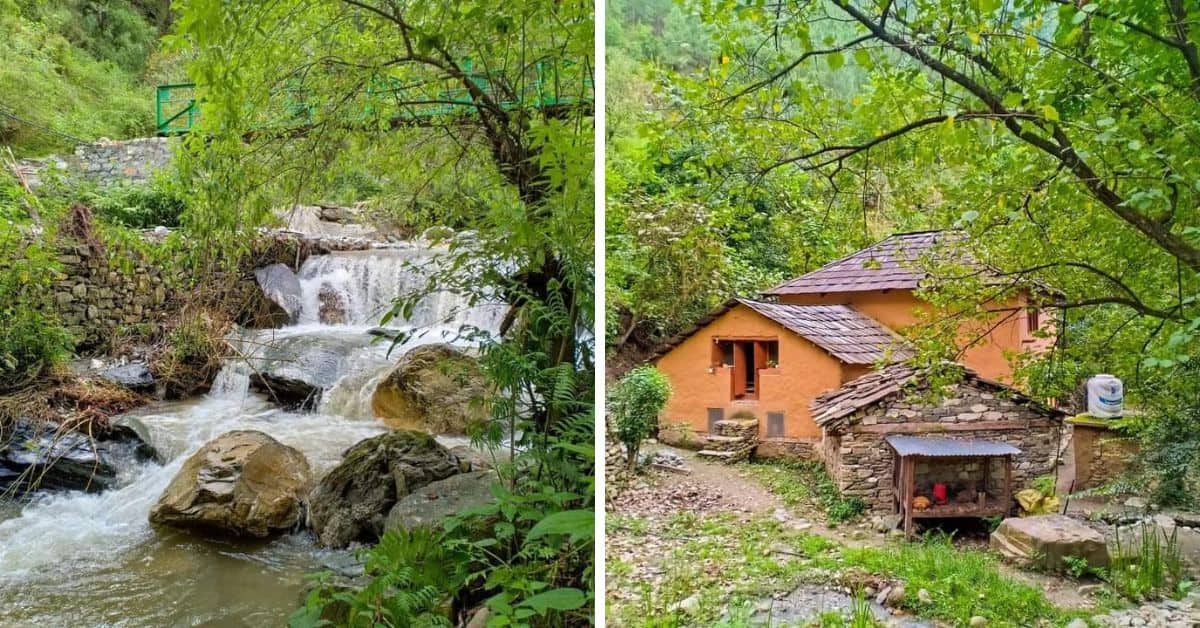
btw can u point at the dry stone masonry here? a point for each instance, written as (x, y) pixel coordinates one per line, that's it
(106, 162)
(95, 298)
(861, 463)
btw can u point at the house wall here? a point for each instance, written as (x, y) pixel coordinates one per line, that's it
(804, 372)
(901, 309)
(862, 463)
(1101, 454)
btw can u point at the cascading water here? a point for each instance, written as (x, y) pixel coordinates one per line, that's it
(75, 559)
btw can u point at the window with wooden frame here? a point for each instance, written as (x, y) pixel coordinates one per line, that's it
(746, 357)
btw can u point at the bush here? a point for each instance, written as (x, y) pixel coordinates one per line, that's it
(31, 338)
(635, 402)
(139, 206)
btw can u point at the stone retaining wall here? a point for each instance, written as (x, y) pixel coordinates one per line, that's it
(96, 299)
(106, 163)
(130, 161)
(102, 295)
(861, 463)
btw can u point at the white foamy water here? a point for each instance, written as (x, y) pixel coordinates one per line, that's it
(76, 559)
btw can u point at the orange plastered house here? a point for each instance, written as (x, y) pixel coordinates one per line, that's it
(769, 358)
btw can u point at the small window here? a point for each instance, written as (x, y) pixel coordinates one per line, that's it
(1033, 320)
(775, 424)
(772, 353)
(725, 351)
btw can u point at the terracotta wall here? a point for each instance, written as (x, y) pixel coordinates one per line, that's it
(804, 372)
(900, 309)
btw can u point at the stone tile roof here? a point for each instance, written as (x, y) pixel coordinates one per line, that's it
(890, 264)
(872, 388)
(840, 330)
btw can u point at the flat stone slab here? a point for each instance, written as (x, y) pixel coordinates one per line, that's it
(1045, 541)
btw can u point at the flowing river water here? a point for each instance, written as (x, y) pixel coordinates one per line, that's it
(77, 559)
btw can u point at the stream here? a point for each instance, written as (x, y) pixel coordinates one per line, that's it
(77, 559)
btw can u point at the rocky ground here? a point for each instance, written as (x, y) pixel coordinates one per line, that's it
(695, 542)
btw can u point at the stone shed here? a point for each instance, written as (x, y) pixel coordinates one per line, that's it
(857, 419)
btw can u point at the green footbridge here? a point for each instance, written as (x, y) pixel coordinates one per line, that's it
(177, 109)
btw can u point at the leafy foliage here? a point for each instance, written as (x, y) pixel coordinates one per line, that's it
(334, 97)
(71, 71)
(1056, 136)
(635, 402)
(141, 206)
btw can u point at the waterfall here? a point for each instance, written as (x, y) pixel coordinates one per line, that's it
(356, 288)
(75, 558)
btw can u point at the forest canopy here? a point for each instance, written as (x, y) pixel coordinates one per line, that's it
(1061, 139)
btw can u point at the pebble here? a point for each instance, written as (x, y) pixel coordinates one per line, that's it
(978, 622)
(924, 597)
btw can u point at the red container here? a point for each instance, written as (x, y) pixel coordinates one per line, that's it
(939, 493)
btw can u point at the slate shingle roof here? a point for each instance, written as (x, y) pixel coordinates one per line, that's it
(840, 330)
(831, 407)
(890, 264)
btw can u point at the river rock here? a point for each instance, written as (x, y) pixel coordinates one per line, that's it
(431, 389)
(293, 393)
(438, 500)
(352, 502)
(42, 455)
(1044, 540)
(282, 287)
(134, 376)
(242, 483)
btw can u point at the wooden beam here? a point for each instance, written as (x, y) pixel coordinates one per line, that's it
(931, 427)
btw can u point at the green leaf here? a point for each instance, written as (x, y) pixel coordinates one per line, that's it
(562, 599)
(577, 524)
(835, 60)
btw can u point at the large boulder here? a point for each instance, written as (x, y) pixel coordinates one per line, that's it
(279, 284)
(1045, 541)
(352, 502)
(243, 483)
(431, 389)
(436, 501)
(42, 455)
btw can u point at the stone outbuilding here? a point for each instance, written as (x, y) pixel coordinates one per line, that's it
(857, 419)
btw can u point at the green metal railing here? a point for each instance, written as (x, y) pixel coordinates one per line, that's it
(177, 109)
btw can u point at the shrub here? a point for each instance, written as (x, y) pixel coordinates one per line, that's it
(635, 402)
(139, 206)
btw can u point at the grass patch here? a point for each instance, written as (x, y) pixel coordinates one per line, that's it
(962, 583)
(805, 484)
(730, 564)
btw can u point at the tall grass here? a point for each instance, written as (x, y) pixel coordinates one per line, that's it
(1148, 565)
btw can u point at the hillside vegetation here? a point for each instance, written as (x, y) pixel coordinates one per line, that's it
(79, 71)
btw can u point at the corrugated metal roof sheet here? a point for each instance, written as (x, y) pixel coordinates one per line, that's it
(946, 447)
(890, 264)
(842, 331)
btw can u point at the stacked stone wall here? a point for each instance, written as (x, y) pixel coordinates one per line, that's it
(1101, 455)
(105, 163)
(864, 462)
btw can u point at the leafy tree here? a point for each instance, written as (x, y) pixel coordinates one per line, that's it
(635, 402)
(481, 115)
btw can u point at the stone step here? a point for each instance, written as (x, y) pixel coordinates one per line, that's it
(712, 453)
(713, 438)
